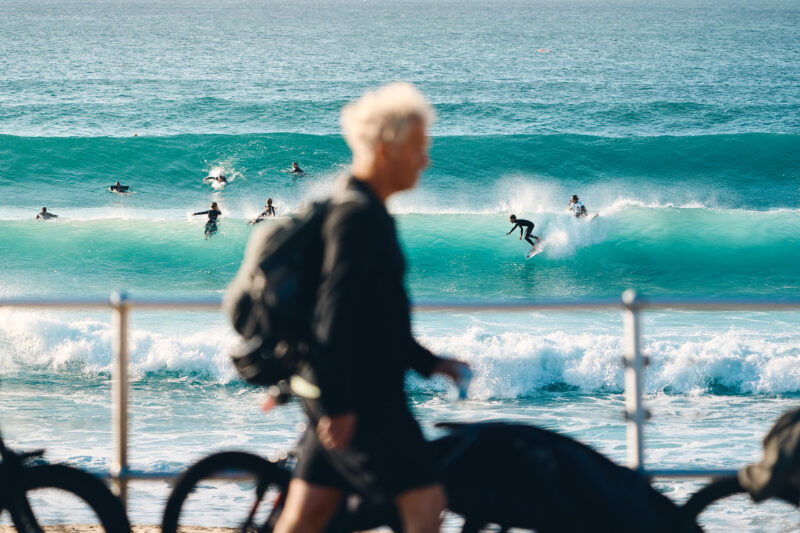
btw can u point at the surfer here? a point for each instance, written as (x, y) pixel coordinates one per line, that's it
(119, 188)
(269, 211)
(577, 208)
(45, 215)
(213, 213)
(218, 179)
(522, 223)
(296, 168)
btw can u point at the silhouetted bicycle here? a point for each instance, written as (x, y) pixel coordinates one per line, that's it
(35, 493)
(511, 475)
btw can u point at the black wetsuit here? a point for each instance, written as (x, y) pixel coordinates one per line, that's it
(45, 215)
(297, 170)
(119, 188)
(522, 223)
(211, 225)
(267, 212)
(365, 346)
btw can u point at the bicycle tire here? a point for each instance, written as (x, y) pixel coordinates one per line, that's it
(716, 490)
(210, 467)
(21, 512)
(107, 507)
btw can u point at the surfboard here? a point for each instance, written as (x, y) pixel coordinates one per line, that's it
(535, 250)
(590, 216)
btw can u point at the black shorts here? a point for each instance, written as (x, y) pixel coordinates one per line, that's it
(386, 457)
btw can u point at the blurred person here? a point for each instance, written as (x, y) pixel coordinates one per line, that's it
(362, 436)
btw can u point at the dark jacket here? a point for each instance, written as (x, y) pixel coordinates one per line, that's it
(361, 321)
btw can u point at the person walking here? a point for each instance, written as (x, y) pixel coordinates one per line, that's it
(362, 436)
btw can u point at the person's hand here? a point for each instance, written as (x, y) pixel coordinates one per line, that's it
(452, 368)
(520, 237)
(336, 432)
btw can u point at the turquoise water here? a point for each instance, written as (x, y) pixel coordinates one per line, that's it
(676, 122)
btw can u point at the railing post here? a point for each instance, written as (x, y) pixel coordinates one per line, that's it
(119, 394)
(635, 363)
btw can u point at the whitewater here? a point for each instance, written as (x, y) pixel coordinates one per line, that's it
(676, 122)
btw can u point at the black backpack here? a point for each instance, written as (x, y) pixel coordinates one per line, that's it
(272, 298)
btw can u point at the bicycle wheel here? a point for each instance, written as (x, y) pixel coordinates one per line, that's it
(200, 497)
(716, 490)
(60, 495)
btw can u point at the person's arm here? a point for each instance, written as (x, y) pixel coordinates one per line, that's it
(200, 213)
(351, 243)
(512, 229)
(422, 360)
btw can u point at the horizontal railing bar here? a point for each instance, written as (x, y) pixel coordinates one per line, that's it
(212, 304)
(170, 475)
(697, 304)
(520, 305)
(194, 304)
(159, 476)
(689, 473)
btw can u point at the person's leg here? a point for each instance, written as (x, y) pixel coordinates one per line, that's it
(308, 508)
(421, 509)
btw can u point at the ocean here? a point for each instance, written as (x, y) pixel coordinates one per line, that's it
(677, 122)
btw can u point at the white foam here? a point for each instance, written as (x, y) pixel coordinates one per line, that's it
(44, 340)
(507, 364)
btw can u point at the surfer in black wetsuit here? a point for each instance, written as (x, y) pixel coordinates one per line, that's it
(296, 169)
(522, 223)
(119, 188)
(45, 215)
(269, 211)
(218, 179)
(213, 213)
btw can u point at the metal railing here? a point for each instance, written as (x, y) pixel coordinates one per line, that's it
(634, 360)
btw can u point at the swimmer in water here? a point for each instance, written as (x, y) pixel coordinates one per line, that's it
(522, 223)
(119, 188)
(269, 211)
(218, 179)
(577, 208)
(213, 213)
(45, 215)
(296, 169)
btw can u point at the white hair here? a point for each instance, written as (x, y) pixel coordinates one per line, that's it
(383, 115)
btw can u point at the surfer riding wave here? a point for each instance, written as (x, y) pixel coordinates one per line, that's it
(522, 223)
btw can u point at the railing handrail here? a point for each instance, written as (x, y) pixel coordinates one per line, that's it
(630, 304)
(587, 304)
